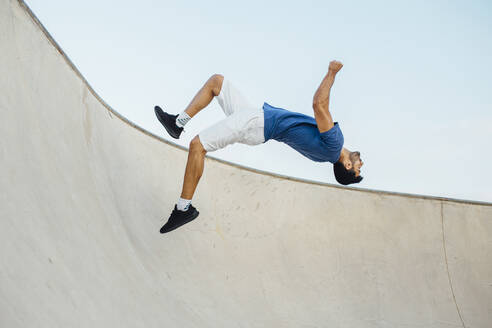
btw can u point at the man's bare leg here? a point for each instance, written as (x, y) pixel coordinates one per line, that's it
(194, 168)
(174, 124)
(210, 89)
(196, 154)
(184, 211)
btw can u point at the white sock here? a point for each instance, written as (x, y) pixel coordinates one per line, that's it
(183, 204)
(182, 119)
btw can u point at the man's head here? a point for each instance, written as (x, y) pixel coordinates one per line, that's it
(347, 169)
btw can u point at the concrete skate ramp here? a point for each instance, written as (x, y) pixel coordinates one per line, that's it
(83, 193)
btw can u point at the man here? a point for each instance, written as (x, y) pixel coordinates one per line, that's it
(319, 138)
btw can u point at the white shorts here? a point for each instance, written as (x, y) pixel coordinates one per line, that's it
(244, 123)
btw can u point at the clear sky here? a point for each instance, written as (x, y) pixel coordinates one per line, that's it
(414, 95)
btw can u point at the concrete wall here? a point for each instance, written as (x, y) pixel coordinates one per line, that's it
(83, 193)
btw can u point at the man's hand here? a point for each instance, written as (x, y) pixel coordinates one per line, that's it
(335, 66)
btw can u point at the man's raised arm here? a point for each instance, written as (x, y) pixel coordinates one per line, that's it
(321, 98)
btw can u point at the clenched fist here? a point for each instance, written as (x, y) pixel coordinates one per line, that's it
(335, 66)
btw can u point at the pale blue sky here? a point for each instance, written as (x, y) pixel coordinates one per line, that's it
(414, 96)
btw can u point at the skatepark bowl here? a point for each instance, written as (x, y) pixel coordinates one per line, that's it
(84, 193)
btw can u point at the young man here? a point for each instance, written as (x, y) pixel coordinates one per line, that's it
(319, 138)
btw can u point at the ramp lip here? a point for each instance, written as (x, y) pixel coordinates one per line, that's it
(242, 167)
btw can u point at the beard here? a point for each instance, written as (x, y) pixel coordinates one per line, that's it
(354, 156)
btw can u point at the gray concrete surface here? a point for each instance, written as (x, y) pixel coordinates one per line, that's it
(83, 193)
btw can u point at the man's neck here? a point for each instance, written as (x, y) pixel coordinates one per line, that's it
(344, 154)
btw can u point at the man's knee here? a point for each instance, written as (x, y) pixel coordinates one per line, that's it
(196, 146)
(216, 81)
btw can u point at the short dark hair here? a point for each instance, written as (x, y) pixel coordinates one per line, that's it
(345, 176)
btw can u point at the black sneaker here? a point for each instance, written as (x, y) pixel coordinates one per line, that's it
(179, 218)
(169, 122)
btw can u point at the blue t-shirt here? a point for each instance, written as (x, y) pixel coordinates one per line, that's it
(301, 132)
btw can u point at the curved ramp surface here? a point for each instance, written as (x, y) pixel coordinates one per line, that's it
(84, 193)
